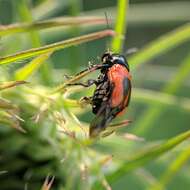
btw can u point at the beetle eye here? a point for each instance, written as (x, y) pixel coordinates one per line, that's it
(120, 60)
(106, 57)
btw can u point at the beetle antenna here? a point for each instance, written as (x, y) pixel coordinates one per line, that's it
(108, 27)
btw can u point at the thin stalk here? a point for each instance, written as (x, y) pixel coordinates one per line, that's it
(120, 26)
(51, 23)
(55, 46)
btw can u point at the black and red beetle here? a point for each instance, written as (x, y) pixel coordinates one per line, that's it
(112, 93)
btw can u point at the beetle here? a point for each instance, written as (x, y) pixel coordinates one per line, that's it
(112, 93)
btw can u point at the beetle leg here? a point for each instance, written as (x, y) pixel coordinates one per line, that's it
(67, 77)
(119, 125)
(80, 75)
(85, 72)
(107, 133)
(113, 127)
(89, 82)
(85, 100)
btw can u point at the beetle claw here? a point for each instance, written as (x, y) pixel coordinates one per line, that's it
(85, 100)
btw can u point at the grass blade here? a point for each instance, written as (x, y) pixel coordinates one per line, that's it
(56, 22)
(160, 45)
(26, 71)
(55, 46)
(148, 156)
(173, 169)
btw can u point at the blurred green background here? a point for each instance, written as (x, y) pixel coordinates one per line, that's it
(159, 105)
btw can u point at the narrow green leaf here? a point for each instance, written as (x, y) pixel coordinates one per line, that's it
(143, 158)
(55, 46)
(56, 22)
(173, 169)
(160, 45)
(26, 71)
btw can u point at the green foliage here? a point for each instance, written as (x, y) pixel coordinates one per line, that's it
(44, 123)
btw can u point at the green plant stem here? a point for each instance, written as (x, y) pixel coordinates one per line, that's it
(55, 46)
(120, 26)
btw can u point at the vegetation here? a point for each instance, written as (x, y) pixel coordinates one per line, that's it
(44, 140)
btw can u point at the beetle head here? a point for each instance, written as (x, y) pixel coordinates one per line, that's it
(114, 58)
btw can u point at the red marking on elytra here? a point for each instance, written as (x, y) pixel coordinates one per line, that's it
(116, 74)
